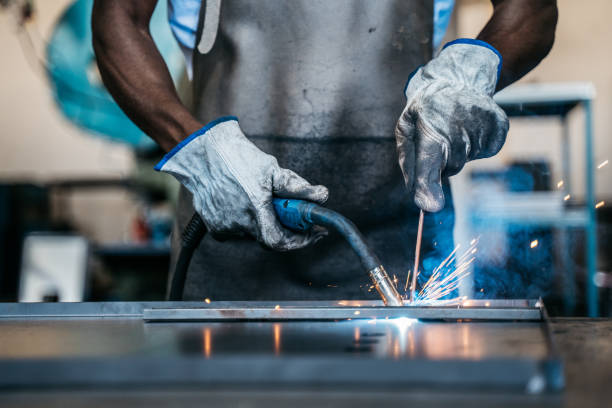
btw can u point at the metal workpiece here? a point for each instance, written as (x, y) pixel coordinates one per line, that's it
(500, 310)
(476, 309)
(385, 287)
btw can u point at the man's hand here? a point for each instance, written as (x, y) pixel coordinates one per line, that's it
(233, 183)
(231, 180)
(449, 118)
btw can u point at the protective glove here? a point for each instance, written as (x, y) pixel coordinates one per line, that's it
(450, 118)
(233, 182)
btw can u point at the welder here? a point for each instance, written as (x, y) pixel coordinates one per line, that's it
(318, 100)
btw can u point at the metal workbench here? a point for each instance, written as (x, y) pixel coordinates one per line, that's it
(482, 353)
(267, 354)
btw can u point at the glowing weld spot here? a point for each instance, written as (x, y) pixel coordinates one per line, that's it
(534, 243)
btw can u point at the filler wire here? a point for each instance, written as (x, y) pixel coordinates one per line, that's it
(417, 254)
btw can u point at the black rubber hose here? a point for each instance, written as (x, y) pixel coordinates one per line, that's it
(195, 231)
(327, 218)
(190, 239)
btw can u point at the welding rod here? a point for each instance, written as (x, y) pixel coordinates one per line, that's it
(417, 254)
(301, 215)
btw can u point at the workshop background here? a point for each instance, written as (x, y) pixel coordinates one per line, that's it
(77, 186)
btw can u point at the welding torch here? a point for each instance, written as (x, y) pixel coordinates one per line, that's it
(297, 215)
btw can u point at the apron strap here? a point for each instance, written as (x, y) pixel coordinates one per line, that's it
(211, 25)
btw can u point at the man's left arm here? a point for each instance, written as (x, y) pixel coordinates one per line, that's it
(450, 117)
(523, 31)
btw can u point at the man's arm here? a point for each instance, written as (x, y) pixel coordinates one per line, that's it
(523, 31)
(135, 73)
(450, 116)
(231, 180)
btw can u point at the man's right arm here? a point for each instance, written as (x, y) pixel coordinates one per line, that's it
(231, 180)
(135, 73)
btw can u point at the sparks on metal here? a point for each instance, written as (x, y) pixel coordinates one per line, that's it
(600, 204)
(447, 277)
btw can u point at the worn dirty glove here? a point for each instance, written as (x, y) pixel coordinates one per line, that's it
(233, 182)
(450, 118)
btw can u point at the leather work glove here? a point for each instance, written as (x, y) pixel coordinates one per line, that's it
(450, 118)
(233, 182)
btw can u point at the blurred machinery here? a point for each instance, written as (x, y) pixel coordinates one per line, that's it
(520, 207)
(134, 267)
(53, 268)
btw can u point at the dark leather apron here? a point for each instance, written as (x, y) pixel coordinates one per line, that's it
(318, 84)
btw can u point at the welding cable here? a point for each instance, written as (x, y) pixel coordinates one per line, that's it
(384, 286)
(305, 215)
(301, 215)
(190, 239)
(325, 217)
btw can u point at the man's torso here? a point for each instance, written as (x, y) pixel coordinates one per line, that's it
(318, 84)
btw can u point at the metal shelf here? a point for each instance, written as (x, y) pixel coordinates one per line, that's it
(578, 218)
(558, 99)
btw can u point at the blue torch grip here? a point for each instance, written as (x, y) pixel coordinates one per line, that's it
(294, 214)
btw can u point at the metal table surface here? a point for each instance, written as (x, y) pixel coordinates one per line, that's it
(117, 345)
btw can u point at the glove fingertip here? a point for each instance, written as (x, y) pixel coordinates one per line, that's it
(430, 200)
(319, 194)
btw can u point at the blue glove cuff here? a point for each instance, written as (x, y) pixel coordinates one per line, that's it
(410, 77)
(468, 41)
(192, 136)
(481, 44)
